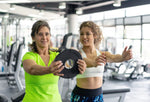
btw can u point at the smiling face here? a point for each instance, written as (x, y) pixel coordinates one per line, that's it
(42, 37)
(90, 34)
(86, 37)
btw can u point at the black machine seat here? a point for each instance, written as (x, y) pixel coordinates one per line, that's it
(18, 57)
(11, 54)
(18, 96)
(118, 91)
(3, 98)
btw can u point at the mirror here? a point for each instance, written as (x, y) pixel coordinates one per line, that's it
(69, 63)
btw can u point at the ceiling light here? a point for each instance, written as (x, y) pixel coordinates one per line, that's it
(6, 15)
(34, 15)
(117, 3)
(79, 11)
(62, 5)
(12, 7)
(41, 12)
(2, 10)
(14, 1)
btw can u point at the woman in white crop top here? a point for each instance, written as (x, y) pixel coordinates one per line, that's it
(89, 84)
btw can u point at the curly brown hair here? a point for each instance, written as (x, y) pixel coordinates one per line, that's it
(95, 30)
(35, 29)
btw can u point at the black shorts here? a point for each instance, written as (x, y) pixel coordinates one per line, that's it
(87, 95)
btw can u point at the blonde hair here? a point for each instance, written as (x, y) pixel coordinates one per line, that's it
(95, 30)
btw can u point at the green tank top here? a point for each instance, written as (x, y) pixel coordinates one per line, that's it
(41, 88)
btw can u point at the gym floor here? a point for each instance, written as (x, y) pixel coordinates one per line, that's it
(139, 89)
(6, 90)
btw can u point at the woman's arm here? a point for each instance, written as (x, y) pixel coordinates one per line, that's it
(32, 68)
(126, 55)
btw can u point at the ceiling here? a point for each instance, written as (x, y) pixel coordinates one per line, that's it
(50, 8)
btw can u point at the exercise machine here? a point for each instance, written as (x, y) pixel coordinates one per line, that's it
(128, 70)
(14, 80)
(9, 61)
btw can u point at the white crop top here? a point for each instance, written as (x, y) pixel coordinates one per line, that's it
(91, 71)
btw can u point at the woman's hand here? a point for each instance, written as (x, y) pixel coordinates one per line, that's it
(126, 54)
(101, 60)
(81, 66)
(56, 67)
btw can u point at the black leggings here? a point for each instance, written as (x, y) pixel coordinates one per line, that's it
(87, 95)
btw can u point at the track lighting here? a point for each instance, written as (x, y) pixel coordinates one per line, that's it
(12, 7)
(79, 11)
(117, 3)
(62, 5)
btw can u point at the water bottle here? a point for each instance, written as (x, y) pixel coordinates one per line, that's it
(2, 69)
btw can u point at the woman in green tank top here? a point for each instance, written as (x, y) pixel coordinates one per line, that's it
(41, 71)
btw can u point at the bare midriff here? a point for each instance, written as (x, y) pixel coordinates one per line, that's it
(90, 83)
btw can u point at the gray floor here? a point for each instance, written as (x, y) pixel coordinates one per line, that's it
(7, 90)
(139, 89)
